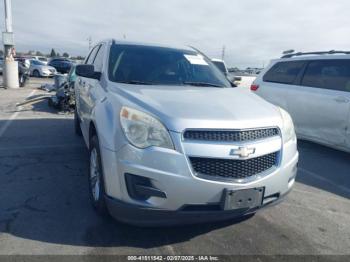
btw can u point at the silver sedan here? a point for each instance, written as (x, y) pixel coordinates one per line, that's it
(40, 69)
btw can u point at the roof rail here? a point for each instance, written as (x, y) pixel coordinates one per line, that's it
(331, 52)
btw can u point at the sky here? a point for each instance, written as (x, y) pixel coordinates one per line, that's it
(252, 31)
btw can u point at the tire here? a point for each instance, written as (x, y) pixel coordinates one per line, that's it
(96, 181)
(36, 73)
(77, 127)
(49, 102)
(22, 81)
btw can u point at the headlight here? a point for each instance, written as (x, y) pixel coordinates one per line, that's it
(288, 132)
(143, 130)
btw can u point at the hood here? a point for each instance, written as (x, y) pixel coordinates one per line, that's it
(182, 107)
(48, 68)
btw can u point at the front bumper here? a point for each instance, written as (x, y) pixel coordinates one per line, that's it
(147, 216)
(170, 172)
(47, 74)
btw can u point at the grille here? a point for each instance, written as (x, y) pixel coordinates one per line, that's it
(233, 169)
(230, 135)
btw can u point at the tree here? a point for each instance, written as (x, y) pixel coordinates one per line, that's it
(65, 55)
(53, 53)
(1, 53)
(58, 54)
(38, 53)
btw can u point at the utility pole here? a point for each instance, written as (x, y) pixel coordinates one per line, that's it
(90, 42)
(223, 53)
(10, 74)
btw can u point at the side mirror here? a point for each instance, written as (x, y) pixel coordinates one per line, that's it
(233, 84)
(87, 71)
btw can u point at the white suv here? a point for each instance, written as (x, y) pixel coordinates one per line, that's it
(315, 89)
(171, 141)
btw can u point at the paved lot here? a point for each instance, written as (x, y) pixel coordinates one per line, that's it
(44, 206)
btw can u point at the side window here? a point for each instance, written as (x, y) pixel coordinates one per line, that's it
(284, 72)
(98, 62)
(328, 74)
(92, 55)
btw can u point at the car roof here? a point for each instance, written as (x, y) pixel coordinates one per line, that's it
(320, 55)
(217, 60)
(180, 47)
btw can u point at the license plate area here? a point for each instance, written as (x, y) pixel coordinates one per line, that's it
(243, 199)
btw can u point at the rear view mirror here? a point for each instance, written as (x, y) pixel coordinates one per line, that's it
(87, 71)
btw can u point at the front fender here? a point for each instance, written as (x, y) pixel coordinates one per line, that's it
(107, 124)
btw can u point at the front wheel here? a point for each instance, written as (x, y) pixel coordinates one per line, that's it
(36, 73)
(96, 181)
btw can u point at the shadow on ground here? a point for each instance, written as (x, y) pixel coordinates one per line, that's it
(44, 195)
(324, 168)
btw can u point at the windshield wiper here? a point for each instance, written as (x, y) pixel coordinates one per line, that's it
(201, 84)
(135, 82)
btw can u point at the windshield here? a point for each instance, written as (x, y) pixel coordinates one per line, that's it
(37, 62)
(136, 64)
(220, 65)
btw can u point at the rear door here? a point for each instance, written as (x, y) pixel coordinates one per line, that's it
(320, 105)
(275, 83)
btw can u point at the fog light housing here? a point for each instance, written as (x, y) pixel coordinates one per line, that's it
(141, 188)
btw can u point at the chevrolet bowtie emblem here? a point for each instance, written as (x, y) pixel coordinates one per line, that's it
(242, 152)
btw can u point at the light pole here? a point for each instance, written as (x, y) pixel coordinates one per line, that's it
(90, 43)
(223, 53)
(10, 74)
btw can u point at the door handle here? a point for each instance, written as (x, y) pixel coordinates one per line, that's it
(341, 99)
(81, 82)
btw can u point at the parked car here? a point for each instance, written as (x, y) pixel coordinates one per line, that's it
(71, 77)
(40, 69)
(41, 58)
(171, 141)
(64, 99)
(242, 79)
(62, 65)
(315, 89)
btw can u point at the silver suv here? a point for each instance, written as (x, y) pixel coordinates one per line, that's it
(170, 140)
(315, 89)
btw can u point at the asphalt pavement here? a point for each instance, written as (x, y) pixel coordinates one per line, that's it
(44, 205)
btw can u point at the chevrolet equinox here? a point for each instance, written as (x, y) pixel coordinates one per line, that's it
(172, 142)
